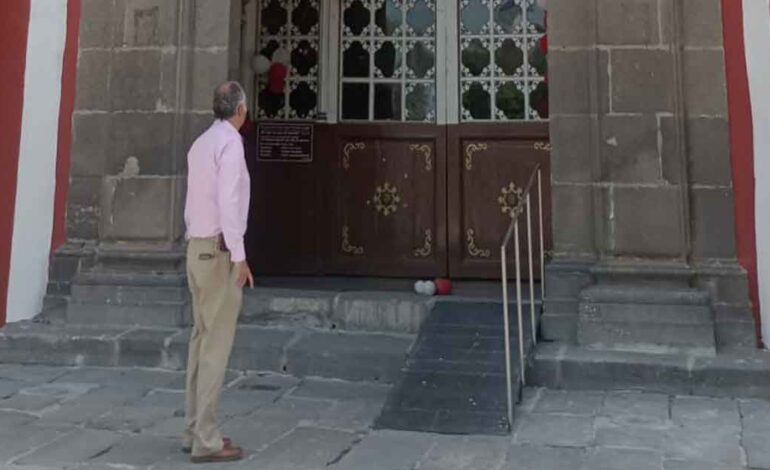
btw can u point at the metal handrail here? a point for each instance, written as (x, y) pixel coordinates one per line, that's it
(524, 204)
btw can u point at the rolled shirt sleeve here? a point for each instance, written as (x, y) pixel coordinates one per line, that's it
(233, 198)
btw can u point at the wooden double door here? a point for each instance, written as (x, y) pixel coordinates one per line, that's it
(396, 200)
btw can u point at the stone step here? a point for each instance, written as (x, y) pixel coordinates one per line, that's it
(647, 313)
(652, 338)
(639, 294)
(297, 351)
(640, 318)
(154, 314)
(741, 374)
(167, 305)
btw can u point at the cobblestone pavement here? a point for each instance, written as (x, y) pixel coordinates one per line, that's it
(55, 418)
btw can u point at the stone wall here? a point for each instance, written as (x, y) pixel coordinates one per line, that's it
(642, 187)
(641, 161)
(146, 73)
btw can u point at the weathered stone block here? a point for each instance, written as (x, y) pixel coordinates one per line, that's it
(527, 457)
(93, 92)
(349, 356)
(578, 403)
(713, 227)
(138, 451)
(266, 306)
(700, 411)
(91, 133)
(708, 147)
(143, 348)
(571, 23)
(669, 151)
(569, 81)
(209, 70)
(168, 315)
(559, 327)
(571, 157)
(260, 349)
(96, 23)
(145, 23)
(629, 149)
(212, 23)
(638, 459)
(642, 81)
(628, 435)
(304, 448)
(386, 312)
(735, 336)
(556, 430)
(378, 447)
(169, 86)
(644, 221)
(565, 279)
(573, 206)
(727, 286)
(137, 208)
(628, 22)
(710, 444)
(83, 208)
(35, 345)
(702, 23)
(135, 80)
(705, 86)
(147, 137)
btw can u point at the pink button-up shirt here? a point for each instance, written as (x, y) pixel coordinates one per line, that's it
(218, 188)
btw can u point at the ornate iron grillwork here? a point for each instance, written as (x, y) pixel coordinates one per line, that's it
(503, 66)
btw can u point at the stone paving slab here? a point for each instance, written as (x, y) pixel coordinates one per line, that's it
(288, 423)
(379, 447)
(304, 448)
(466, 453)
(77, 446)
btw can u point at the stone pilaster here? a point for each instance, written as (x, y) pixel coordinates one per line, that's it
(641, 161)
(146, 73)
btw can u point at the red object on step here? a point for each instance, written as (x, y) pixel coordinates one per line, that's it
(443, 286)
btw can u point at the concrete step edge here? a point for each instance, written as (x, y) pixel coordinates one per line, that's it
(742, 374)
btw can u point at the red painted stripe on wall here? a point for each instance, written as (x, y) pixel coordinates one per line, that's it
(741, 147)
(66, 108)
(14, 24)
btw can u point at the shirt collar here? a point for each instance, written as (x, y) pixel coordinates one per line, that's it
(227, 125)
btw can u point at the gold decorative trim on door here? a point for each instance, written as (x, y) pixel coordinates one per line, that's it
(427, 154)
(474, 250)
(347, 247)
(510, 195)
(427, 247)
(348, 149)
(470, 150)
(386, 199)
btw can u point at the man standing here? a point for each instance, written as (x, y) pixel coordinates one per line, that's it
(216, 212)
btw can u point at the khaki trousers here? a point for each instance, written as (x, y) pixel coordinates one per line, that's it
(216, 302)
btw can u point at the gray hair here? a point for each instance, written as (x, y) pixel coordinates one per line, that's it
(227, 97)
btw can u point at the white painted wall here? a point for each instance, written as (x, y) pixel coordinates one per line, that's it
(756, 30)
(36, 177)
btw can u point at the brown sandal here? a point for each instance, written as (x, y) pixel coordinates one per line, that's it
(225, 440)
(227, 454)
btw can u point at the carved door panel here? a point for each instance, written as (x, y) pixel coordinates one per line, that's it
(389, 193)
(490, 164)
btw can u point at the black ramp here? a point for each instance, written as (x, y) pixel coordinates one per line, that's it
(454, 379)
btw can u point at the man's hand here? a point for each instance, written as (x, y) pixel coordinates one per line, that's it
(244, 274)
